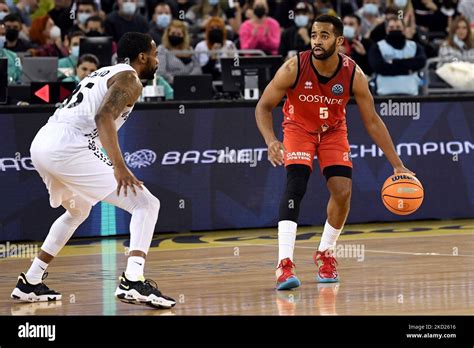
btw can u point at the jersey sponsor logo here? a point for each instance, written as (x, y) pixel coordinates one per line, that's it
(17, 163)
(337, 89)
(298, 155)
(319, 99)
(308, 85)
(140, 159)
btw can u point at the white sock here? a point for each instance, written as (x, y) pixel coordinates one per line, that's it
(36, 271)
(135, 265)
(329, 237)
(286, 239)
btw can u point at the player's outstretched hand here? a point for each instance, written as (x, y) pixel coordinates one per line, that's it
(401, 170)
(275, 153)
(125, 178)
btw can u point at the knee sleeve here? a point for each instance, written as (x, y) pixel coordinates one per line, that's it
(296, 182)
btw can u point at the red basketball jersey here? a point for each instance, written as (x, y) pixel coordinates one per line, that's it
(317, 103)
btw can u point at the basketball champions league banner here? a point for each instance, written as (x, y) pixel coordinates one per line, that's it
(209, 168)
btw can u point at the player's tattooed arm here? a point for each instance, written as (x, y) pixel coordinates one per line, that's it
(373, 123)
(276, 89)
(124, 90)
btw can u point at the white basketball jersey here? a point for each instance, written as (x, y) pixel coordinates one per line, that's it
(80, 108)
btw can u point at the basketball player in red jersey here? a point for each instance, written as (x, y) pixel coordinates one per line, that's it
(318, 84)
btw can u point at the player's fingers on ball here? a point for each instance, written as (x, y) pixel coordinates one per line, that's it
(132, 187)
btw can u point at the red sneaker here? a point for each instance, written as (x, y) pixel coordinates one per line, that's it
(286, 278)
(326, 263)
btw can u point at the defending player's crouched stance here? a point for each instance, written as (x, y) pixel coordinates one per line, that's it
(67, 153)
(318, 84)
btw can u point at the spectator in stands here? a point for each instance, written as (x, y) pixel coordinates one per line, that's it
(14, 69)
(86, 64)
(379, 32)
(260, 32)
(95, 26)
(199, 15)
(370, 15)
(162, 17)
(4, 10)
(67, 65)
(459, 45)
(13, 27)
(234, 18)
(434, 15)
(85, 10)
(47, 36)
(324, 7)
(406, 8)
(172, 63)
(297, 38)
(356, 46)
(466, 8)
(24, 8)
(216, 39)
(396, 62)
(125, 19)
(61, 16)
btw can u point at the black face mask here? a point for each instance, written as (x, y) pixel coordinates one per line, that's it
(12, 34)
(396, 39)
(94, 33)
(259, 11)
(216, 36)
(175, 40)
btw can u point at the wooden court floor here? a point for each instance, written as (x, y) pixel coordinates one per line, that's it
(412, 268)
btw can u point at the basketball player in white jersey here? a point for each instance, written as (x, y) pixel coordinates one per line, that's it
(67, 153)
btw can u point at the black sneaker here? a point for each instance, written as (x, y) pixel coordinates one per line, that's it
(142, 292)
(27, 292)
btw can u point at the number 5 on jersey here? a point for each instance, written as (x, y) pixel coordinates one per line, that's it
(323, 112)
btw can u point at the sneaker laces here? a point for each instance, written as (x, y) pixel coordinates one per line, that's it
(287, 269)
(329, 263)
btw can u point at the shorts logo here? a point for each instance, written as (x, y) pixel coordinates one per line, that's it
(337, 89)
(141, 158)
(308, 85)
(291, 156)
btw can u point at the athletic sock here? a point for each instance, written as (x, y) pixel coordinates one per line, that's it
(286, 239)
(36, 271)
(329, 237)
(135, 266)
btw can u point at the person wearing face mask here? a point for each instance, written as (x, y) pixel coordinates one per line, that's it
(4, 11)
(13, 41)
(161, 19)
(260, 32)
(47, 36)
(172, 61)
(458, 46)
(67, 65)
(125, 19)
(370, 14)
(397, 61)
(198, 16)
(297, 38)
(356, 46)
(216, 39)
(84, 10)
(14, 69)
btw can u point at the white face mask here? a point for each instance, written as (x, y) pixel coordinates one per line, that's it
(349, 32)
(3, 15)
(129, 8)
(400, 3)
(301, 20)
(55, 32)
(82, 17)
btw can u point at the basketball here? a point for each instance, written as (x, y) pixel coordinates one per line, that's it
(402, 194)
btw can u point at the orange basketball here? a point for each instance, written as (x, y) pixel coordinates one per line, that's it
(402, 194)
